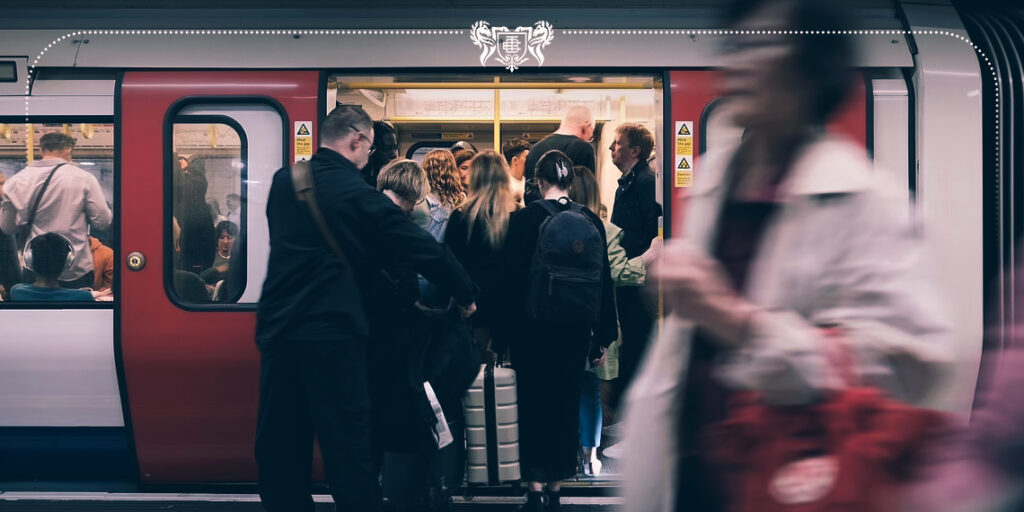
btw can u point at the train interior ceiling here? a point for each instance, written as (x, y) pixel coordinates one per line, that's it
(436, 111)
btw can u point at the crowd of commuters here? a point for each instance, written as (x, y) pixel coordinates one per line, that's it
(464, 229)
(795, 302)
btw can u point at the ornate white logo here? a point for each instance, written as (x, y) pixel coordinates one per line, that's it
(512, 45)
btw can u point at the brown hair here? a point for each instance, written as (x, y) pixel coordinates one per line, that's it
(443, 174)
(585, 190)
(405, 178)
(638, 136)
(490, 197)
(55, 142)
(461, 156)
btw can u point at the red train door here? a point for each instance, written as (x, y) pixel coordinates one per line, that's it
(198, 150)
(698, 125)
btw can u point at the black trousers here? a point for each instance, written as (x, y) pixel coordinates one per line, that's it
(636, 322)
(316, 388)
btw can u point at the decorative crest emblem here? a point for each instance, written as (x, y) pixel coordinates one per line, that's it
(512, 46)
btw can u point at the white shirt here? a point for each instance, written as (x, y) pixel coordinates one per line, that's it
(235, 217)
(71, 202)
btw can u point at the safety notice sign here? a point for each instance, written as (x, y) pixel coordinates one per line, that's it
(683, 154)
(303, 135)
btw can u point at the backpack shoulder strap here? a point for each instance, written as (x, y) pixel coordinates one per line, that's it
(39, 197)
(552, 211)
(302, 181)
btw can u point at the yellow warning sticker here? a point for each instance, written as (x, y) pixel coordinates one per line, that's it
(684, 146)
(684, 171)
(684, 128)
(303, 140)
(684, 178)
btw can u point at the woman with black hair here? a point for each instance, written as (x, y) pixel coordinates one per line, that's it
(549, 358)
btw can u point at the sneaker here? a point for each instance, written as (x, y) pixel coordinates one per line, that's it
(614, 451)
(592, 468)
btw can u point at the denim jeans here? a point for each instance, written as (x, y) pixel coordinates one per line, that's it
(590, 410)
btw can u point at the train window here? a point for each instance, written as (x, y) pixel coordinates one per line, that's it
(718, 131)
(207, 167)
(8, 72)
(86, 229)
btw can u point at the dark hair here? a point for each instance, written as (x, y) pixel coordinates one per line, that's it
(463, 145)
(382, 129)
(49, 254)
(226, 226)
(55, 142)
(342, 120)
(638, 136)
(462, 156)
(555, 168)
(824, 59)
(513, 148)
(585, 189)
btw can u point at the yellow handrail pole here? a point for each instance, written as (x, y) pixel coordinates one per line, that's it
(30, 141)
(497, 114)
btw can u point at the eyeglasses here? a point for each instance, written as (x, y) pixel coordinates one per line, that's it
(364, 136)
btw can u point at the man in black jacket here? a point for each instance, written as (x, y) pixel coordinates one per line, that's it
(636, 211)
(313, 325)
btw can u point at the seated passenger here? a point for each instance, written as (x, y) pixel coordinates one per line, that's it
(103, 264)
(227, 231)
(47, 256)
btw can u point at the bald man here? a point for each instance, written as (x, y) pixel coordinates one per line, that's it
(572, 138)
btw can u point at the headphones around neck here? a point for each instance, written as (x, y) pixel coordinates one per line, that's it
(27, 253)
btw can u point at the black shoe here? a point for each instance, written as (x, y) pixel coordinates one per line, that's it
(534, 503)
(554, 502)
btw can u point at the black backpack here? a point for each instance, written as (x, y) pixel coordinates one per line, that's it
(565, 277)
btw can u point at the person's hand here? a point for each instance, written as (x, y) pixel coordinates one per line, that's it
(222, 268)
(599, 362)
(696, 287)
(467, 311)
(651, 254)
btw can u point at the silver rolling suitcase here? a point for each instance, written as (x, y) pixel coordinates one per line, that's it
(492, 428)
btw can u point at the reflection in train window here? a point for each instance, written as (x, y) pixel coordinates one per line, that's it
(85, 231)
(207, 174)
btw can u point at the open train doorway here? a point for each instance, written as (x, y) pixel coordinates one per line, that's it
(435, 111)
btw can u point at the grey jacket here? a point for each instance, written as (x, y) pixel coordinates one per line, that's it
(840, 251)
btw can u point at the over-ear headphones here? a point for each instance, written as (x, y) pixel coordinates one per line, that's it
(27, 253)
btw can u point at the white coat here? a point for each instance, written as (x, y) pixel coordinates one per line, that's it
(841, 250)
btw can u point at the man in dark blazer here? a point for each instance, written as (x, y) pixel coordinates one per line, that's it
(313, 329)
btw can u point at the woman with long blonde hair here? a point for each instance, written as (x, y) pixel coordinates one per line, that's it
(446, 193)
(476, 232)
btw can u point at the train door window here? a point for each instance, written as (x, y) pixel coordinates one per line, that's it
(718, 132)
(233, 150)
(88, 229)
(207, 191)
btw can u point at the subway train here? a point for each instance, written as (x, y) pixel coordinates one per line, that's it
(157, 388)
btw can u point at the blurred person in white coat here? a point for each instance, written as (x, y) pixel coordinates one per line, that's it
(788, 236)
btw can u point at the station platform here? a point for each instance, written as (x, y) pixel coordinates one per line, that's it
(183, 502)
